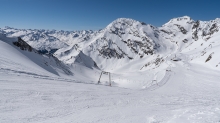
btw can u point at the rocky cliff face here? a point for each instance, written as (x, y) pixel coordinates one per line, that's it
(23, 45)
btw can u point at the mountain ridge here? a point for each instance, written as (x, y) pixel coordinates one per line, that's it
(125, 41)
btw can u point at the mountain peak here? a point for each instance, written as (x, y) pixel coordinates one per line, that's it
(122, 22)
(182, 18)
(179, 20)
(8, 27)
(217, 20)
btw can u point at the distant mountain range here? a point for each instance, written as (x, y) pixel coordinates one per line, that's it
(130, 45)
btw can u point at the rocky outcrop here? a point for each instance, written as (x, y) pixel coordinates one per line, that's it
(209, 57)
(23, 45)
(182, 29)
(195, 29)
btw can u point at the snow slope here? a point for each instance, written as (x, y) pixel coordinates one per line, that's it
(189, 95)
(27, 60)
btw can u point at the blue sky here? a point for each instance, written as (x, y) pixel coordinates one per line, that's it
(97, 14)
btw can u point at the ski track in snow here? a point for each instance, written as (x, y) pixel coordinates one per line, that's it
(162, 82)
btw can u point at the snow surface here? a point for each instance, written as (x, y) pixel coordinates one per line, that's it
(168, 74)
(186, 95)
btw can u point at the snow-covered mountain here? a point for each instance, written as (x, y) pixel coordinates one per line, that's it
(176, 67)
(198, 40)
(46, 40)
(134, 45)
(130, 45)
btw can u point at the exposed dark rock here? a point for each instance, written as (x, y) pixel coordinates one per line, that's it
(76, 35)
(206, 39)
(196, 25)
(182, 29)
(166, 31)
(195, 35)
(86, 38)
(210, 56)
(117, 31)
(156, 35)
(109, 53)
(155, 62)
(23, 45)
(212, 30)
(52, 51)
(158, 61)
(185, 40)
(142, 23)
(176, 59)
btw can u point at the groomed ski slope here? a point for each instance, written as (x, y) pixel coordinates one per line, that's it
(189, 95)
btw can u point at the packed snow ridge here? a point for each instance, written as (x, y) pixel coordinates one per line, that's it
(178, 61)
